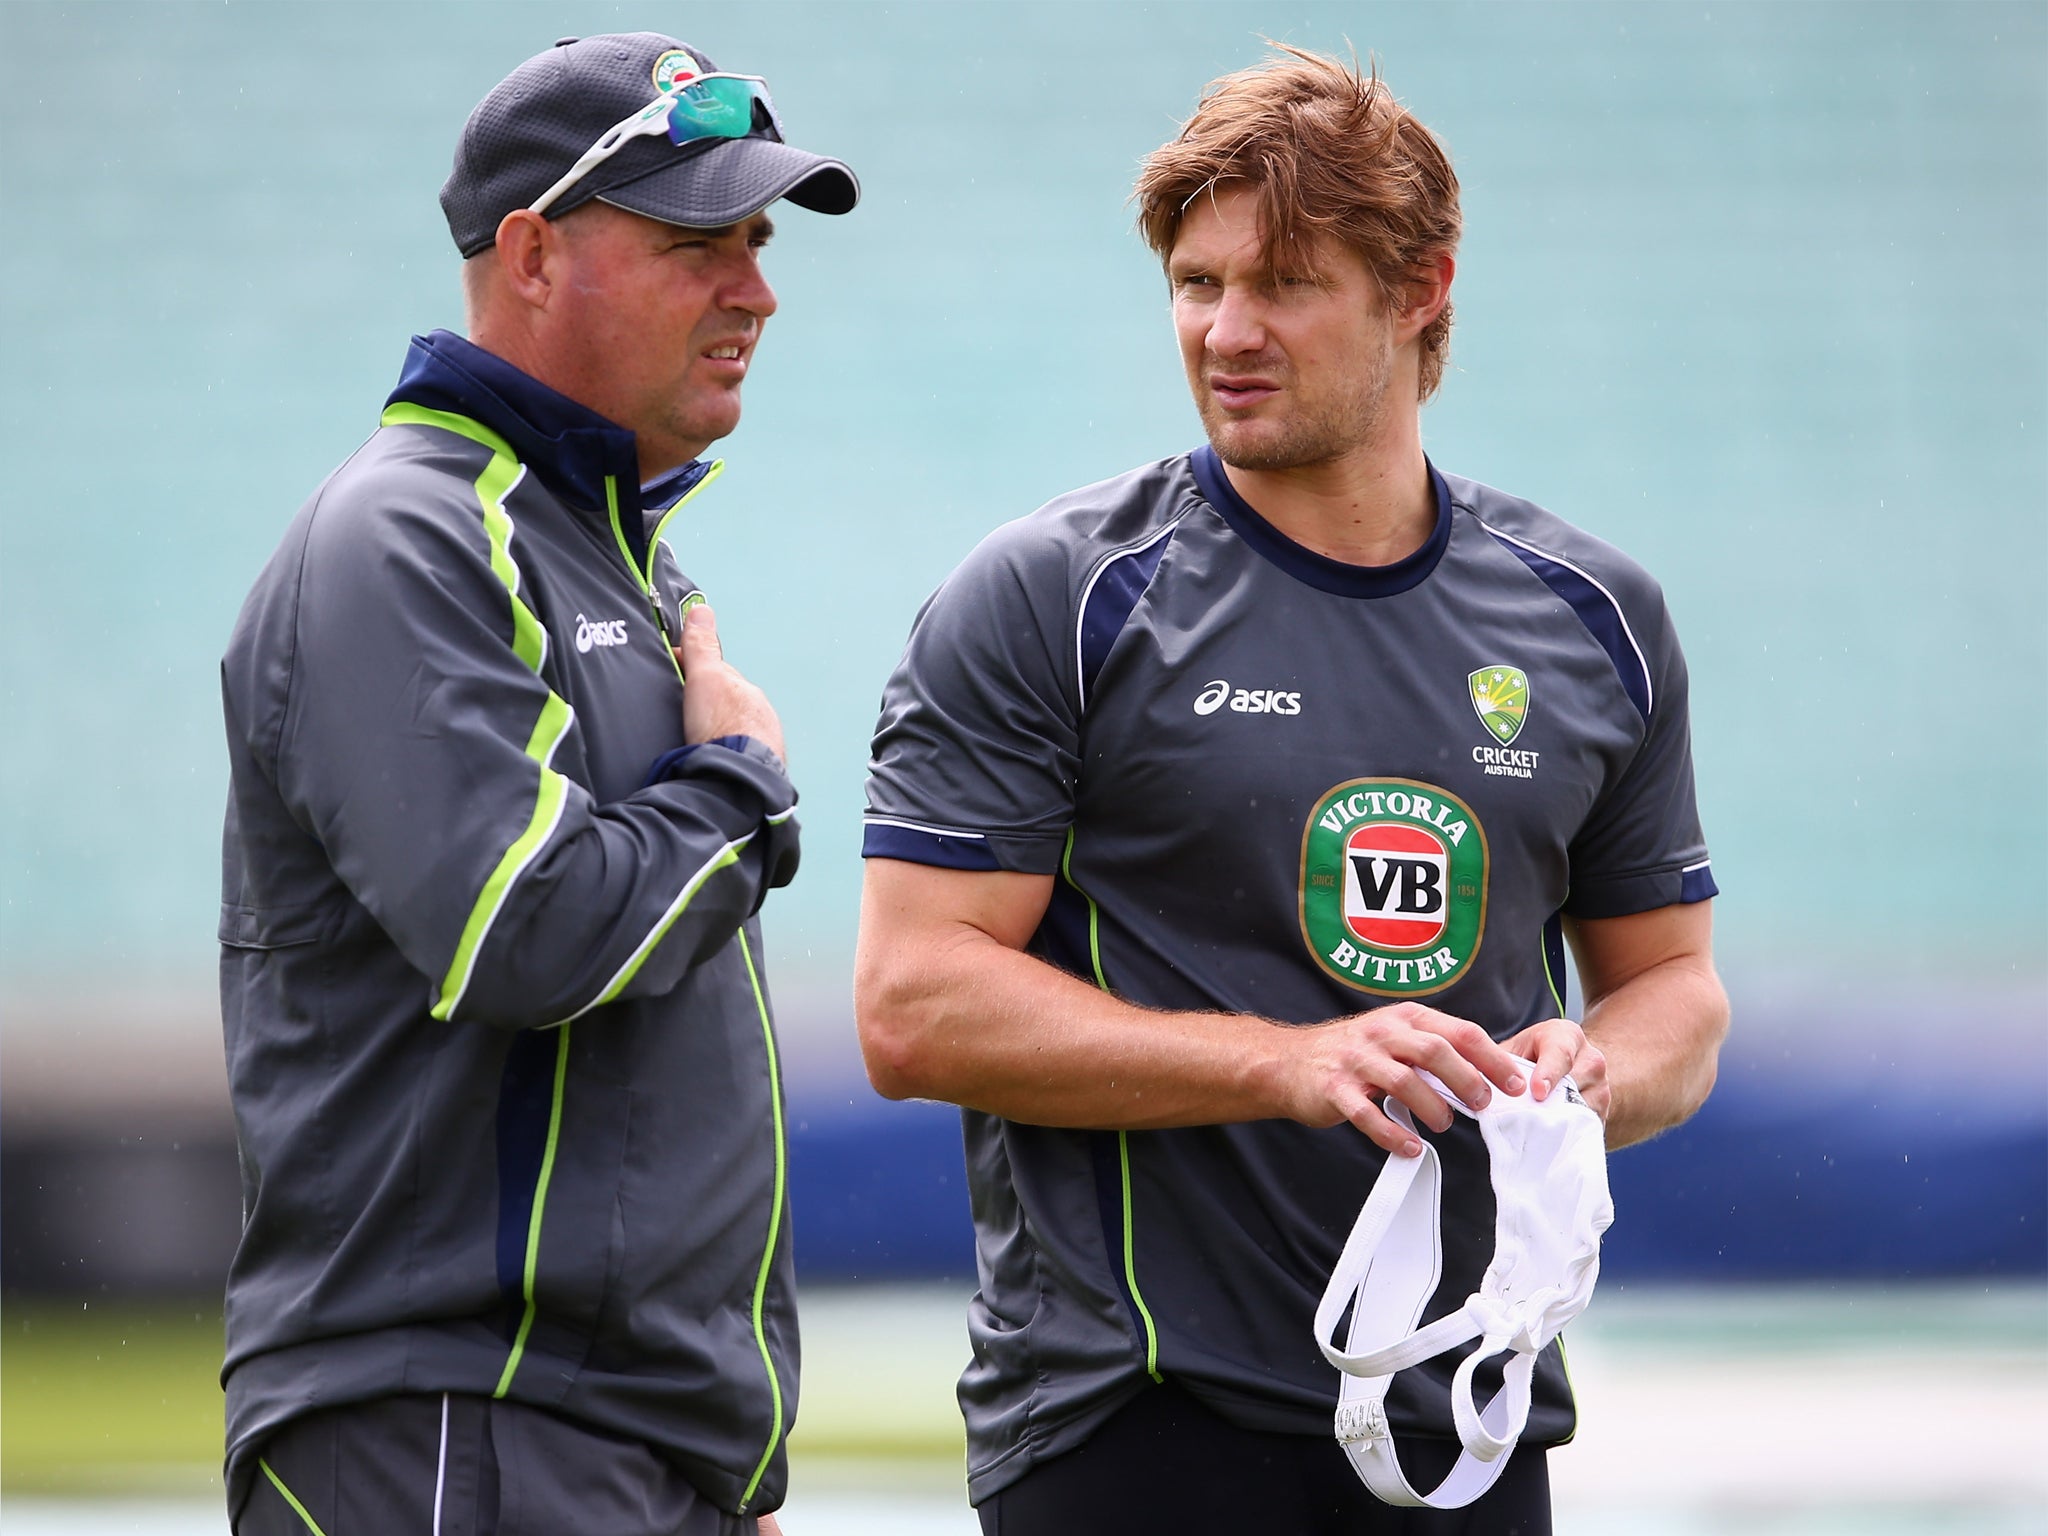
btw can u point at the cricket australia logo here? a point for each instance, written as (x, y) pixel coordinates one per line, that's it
(1501, 695)
(1393, 886)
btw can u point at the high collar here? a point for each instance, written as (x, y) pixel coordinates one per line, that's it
(570, 447)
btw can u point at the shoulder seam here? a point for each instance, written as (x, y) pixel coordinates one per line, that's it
(1620, 613)
(1087, 590)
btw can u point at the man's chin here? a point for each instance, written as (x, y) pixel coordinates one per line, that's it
(707, 425)
(1258, 446)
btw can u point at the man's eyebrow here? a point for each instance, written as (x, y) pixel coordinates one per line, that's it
(760, 227)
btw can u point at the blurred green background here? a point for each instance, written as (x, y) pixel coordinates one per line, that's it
(1759, 292)
(1756, 291)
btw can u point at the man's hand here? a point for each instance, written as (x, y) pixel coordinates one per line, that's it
(768, 1527)
(1344, 1069)
(717, 701)
(1560, 1048)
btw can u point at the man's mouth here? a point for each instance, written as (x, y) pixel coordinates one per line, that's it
(728, 360)
(1238, 392)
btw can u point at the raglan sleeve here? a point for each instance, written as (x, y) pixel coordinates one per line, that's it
(420, 744)
(977, 750)
(1641, 846)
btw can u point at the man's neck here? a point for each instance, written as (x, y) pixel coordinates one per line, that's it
(517, 347)
(1373, 506)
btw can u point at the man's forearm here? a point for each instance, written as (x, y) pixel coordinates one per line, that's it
(1661, 1033)
(992, 1028)
(951, 1007)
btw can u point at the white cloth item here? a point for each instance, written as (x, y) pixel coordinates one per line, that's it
(1549, 1170)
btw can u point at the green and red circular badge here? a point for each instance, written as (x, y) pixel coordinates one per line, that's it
(673, 66)
(1393, 886)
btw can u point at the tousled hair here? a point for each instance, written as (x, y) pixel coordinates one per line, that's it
(1326, 153)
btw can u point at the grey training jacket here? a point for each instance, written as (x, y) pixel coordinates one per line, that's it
(498, 1038)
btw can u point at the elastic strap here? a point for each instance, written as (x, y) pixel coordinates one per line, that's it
(1390, 1267)
(1391, 1262)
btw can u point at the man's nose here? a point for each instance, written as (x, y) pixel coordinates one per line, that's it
(1238, 326)
(749, 292)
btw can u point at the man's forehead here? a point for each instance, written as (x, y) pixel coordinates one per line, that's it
(1222, 228)
(1220, 223)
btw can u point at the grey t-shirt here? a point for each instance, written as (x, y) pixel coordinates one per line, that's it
(1275, 784)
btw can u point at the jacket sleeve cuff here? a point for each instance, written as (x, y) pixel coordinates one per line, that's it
(752, 767)
(758, 768)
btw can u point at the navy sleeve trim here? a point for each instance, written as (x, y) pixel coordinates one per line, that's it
(1646, 891)
(1696, 882)
(1598, 610)
(1109, 598)
(889, 839)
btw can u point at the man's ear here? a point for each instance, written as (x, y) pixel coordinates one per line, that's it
(527, 250)
(1429, 290)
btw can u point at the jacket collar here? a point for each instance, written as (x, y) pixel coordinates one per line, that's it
(568, 445)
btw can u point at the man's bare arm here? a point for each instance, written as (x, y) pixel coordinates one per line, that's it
(949, 1007)
(1655, 1018)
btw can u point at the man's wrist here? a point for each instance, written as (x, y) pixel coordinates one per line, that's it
(1268, 1077)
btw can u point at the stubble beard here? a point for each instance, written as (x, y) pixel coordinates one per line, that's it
(1318, 431)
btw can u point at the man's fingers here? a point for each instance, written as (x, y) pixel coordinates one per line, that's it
(1474, 1045)
(1369, 1118)
(1556, 1054)
(1423, 1101)
(1447, 1065)
(700, 637)
(1465, 1058)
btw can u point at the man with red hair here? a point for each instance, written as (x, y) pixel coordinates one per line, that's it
(1213, 805)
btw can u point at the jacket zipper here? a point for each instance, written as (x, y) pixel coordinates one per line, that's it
(644, 578)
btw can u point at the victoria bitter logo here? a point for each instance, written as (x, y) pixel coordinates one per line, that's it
(1393, 886)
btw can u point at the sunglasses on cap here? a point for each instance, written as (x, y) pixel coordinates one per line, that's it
(719, 106)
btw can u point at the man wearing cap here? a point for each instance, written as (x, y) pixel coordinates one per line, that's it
(1213, 806)
(515, 1254)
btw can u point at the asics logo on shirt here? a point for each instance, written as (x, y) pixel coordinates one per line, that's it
(1246, 701)
(591, 632)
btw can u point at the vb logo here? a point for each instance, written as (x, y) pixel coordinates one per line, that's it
(1395, 895)
(1393, 886)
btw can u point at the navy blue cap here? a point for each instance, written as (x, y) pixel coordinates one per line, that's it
(541, 118)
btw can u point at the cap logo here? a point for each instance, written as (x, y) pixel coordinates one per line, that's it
(673, 68)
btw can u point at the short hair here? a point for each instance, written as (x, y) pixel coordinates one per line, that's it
(1326, 152)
